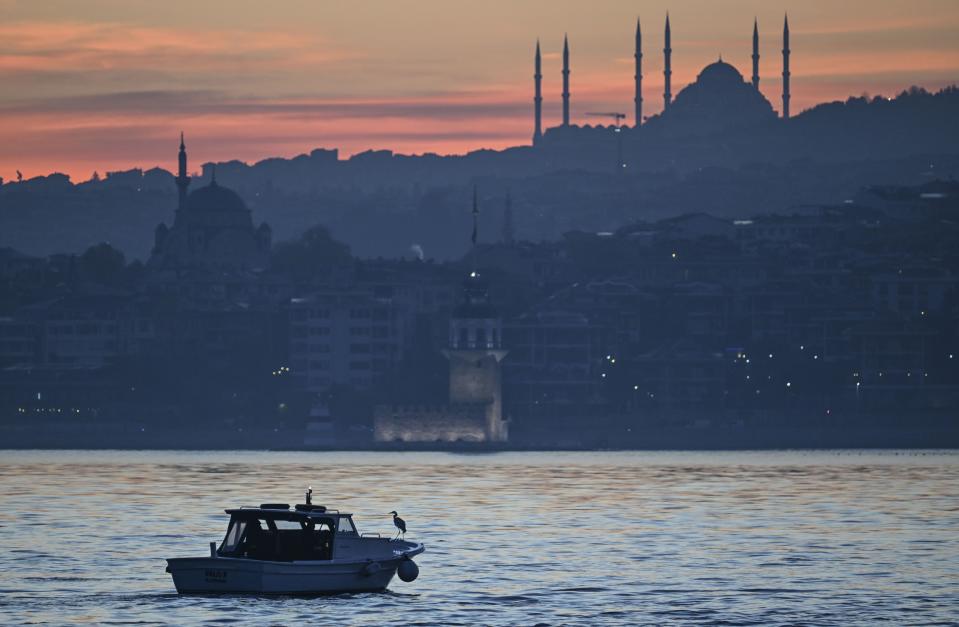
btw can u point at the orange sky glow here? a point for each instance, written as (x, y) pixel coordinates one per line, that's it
(108, 84)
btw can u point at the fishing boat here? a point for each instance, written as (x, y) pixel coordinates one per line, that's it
(305, 549)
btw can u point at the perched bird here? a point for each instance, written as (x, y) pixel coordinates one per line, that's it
(399, 523)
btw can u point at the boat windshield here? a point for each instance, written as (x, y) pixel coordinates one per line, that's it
(345, 525)
(233, 535)
(279, 539)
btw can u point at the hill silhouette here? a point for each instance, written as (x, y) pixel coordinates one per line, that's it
(729, 163)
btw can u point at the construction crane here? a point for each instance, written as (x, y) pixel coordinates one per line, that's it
(618, 119)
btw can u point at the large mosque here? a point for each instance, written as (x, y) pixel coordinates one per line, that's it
(719, 98)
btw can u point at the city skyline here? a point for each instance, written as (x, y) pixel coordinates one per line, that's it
(252, 84)
(691, 265)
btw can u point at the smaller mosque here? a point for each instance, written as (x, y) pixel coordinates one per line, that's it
(212, 231)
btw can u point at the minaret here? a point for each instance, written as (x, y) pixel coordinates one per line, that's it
(667, 69)
(475, 235)
(182, 179)
(565, 81)
(638, 99)
(538, 98)
(756, 53)
(508, 234)
(786, 68)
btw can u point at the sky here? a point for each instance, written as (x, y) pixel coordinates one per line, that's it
(105, 85)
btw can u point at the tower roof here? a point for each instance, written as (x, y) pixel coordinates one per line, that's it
(475, 303)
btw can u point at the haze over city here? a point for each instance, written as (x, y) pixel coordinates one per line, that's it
(102, 86)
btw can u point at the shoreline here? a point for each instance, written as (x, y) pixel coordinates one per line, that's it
(112, 437)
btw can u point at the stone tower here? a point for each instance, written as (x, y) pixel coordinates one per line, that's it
(474, 350)
(475, 353)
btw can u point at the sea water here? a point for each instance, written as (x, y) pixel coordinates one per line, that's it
(585, 538)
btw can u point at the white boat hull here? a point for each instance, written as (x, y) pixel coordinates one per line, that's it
(242, 575)
(233, 575)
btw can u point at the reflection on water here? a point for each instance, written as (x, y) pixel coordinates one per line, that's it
(571, 538)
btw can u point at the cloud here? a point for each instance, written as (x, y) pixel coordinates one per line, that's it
(199, 103)
(38, 46)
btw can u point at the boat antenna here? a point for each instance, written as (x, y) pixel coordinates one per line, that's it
(309, 495)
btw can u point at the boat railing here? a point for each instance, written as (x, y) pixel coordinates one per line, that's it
(325, 511)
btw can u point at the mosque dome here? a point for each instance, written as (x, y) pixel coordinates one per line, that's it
(720, 98)
(215, 197)
(718, 73)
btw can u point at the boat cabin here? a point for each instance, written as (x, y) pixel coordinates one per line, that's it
(274, 532)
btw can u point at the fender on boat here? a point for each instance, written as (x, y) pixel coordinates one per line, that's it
(408, 570)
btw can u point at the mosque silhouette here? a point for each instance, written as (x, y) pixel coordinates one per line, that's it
(718, 99)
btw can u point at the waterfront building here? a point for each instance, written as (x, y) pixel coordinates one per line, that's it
(475, 351)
